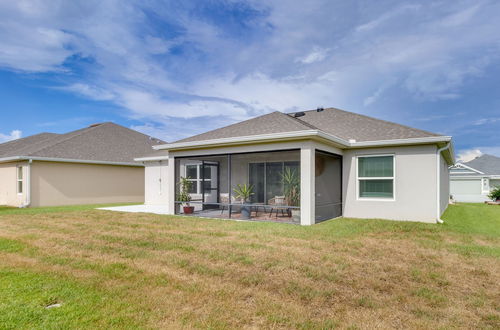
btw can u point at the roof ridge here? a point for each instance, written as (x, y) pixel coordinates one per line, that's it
(369, 117)
(132, 130)
(382, 120)
(26, 137)
(295, 119)
(82, 131)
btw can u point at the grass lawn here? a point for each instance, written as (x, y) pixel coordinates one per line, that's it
(117, 270)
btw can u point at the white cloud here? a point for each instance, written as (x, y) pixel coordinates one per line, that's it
(194, 67)
(14, 135)
(318, 54)
(468, 155)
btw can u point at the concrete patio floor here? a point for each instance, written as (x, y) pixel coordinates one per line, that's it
(155, 209)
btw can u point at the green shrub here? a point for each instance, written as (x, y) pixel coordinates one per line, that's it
(495, 194)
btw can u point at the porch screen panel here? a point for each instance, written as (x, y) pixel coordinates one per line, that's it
(328, 194)
(274, 182)
(257, 181)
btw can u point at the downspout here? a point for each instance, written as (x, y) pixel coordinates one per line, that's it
(438, 176)
(27, 203)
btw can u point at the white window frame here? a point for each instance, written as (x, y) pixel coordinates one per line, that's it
(393, 178)
(19, 180)
(197, 181)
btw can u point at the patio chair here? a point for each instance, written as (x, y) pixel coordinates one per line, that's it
(278, 203)
(224, 201)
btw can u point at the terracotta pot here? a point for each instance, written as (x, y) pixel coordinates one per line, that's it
(188, 209)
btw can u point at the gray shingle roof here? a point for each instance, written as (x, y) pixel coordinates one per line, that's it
(340, 123)
(487, 164)
(106, 142)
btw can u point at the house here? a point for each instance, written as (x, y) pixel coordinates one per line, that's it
(91, 165)
(306, 167)
(472, 181)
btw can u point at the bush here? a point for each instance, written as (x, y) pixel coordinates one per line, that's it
(495, 194)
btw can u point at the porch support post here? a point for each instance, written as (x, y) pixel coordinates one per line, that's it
(171, 184)
(307, 185)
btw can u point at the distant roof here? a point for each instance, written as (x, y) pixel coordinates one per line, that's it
(487, 164)
(343, 124)
(105, 142)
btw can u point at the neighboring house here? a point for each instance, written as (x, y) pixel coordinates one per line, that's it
(90, 165)
(345, 164)
(472, 181)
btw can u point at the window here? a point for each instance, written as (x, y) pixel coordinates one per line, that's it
(376, 177)
(19, 179)
(194, 174)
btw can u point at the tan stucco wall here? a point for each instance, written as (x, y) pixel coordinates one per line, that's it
(71, 184)
(8, 184)
(415, 186)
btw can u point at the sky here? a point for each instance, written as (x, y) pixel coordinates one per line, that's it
(172, 69)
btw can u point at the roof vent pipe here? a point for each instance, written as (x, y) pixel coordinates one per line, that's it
(299, 114)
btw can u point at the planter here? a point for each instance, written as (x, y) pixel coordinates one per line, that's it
(188, 209)
(296, 215)
(245, 212)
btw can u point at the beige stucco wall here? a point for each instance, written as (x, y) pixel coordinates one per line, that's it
(71, 184)
(415, 185)
(8, 184)
(444, 177)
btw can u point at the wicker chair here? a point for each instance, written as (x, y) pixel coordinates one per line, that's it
(224, 201)
(278, 201)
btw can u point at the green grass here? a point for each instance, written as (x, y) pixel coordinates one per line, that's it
(24, 296)
(125, 270)
(67, 208)
(473, 219)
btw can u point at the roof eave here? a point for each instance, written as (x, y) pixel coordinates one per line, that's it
(251, 139)
(297, 135)
(65, 160)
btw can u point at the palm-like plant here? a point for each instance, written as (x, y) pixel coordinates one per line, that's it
(291, 185)
(243, 192)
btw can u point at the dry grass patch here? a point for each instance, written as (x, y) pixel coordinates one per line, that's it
(187, 272)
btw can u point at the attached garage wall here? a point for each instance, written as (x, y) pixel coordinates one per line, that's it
(467, 190)
(71, 184)
(8, 182)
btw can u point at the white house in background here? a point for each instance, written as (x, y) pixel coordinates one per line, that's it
(472, 181)
(343, 164)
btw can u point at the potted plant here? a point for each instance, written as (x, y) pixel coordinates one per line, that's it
(184, 196)
(291, 185)
(243, 193)
(495, 194)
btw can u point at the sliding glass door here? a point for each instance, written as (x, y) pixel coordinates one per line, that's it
(267, 179)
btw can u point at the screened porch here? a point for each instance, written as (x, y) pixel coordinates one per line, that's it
(257, 186)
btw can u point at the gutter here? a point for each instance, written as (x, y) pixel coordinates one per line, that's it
(438, 176)
(66, 160)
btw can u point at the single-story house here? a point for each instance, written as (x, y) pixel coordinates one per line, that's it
(305, 167)
(91, 165)
(472, 181)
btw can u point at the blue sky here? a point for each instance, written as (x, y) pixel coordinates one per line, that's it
(172, 69)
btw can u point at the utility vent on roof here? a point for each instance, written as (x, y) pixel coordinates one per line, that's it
(299, 114)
